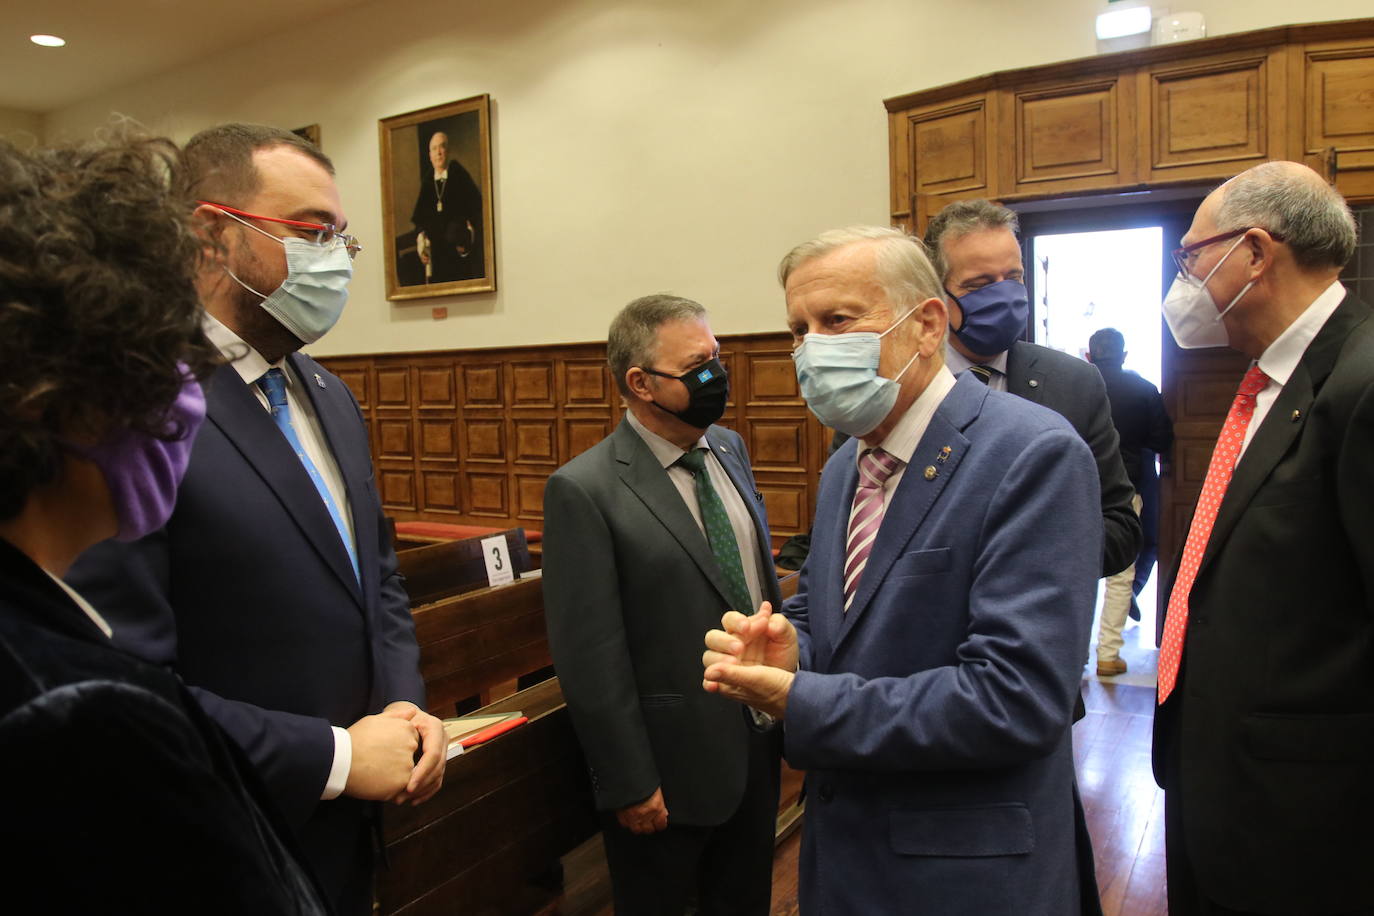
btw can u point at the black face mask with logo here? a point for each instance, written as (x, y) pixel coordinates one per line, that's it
(708, 387)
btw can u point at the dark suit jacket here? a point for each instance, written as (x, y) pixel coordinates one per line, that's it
(933, 717)
(1073, 389)
(630, 589)
(121, 796)
(1139, 417)
(1273, 714)
(249, 594)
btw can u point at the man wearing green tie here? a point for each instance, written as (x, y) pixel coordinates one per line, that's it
(649, 537)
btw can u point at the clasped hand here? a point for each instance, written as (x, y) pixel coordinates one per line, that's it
(752, 659)
(384, 748)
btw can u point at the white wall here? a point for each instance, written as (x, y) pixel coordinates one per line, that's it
(637, 146)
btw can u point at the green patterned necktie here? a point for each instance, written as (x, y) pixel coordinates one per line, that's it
(718, 530)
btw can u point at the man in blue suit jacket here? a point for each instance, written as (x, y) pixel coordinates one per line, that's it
(927, 687)
(279, 606)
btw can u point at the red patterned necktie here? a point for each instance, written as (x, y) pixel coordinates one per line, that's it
(875, 467)
(1224, 457)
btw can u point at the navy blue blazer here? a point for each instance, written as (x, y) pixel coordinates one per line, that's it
(933, 718)
(249, 594)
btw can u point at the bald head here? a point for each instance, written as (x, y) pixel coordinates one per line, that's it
(1293, 203)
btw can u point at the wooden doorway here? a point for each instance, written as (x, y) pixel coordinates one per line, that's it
(1197, 384)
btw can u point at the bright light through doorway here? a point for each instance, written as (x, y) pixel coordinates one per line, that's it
(1097, 280)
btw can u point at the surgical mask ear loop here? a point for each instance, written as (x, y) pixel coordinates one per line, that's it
(1243, 290)
(915, 356)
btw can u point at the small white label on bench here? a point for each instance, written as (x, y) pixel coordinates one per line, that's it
(500, 570)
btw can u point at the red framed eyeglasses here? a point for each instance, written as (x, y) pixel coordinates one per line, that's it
(325, 233)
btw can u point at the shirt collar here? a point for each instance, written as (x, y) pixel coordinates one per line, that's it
(902, 441)
(958, 362)
(664, 451)
(247, 362)
(441, 176)
(1281, 357)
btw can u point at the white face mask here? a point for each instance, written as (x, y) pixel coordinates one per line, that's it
(1192, 313)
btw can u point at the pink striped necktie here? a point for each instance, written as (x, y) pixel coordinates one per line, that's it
(875, 467)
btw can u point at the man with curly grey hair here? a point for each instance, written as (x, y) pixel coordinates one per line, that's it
(1265, 724)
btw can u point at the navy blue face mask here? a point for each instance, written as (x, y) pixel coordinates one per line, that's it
(994, 317)
(708, 387)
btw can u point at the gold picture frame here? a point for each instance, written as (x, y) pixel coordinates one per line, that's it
(439, 235)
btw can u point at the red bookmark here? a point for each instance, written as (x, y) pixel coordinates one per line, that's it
(486, 734)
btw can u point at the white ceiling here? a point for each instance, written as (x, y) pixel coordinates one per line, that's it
(114, 42)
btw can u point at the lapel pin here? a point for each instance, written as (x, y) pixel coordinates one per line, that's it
(1034, 383)
(931, 472)
(944, 454)
(723, 450)
(319, 381)
(1297, 415)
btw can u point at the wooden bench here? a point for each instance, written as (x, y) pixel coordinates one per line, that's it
(511, 807)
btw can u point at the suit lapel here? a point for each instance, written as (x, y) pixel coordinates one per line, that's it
(1025, 378)
(240, 416)
(1282, 424)
(648, 480)
(933, 465)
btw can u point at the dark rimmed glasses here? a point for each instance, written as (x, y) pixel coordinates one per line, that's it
(1186, 257)
(325, 233)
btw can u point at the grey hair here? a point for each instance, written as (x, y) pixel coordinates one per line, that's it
(959, 219)
(633, 337)
(903, 266)
(1294, 203)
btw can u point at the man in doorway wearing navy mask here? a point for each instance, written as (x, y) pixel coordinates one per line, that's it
(273, 589)
(974, 246)
(925, 671)
(649, 537)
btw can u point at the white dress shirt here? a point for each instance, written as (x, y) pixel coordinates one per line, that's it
(1281, 357)
(957, 362)
(906, 435)
(251, 366)
(741, 522)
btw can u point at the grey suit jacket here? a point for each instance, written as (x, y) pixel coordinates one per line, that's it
(1073, 389)
(630, 589)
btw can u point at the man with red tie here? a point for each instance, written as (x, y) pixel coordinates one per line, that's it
(1264, 733)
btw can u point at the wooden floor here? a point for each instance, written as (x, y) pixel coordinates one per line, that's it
(1125, 808)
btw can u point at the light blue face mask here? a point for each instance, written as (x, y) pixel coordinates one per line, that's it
(312, 297)
(839, 379)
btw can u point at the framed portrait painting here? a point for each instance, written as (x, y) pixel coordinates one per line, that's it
(436, 201)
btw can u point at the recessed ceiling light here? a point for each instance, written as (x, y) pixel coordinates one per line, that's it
(48, 41)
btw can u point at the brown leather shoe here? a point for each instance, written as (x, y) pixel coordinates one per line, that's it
(1111, 667)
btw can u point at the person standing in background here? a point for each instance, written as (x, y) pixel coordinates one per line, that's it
(1145, 430)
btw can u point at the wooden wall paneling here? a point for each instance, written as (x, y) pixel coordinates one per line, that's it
(472, 436)
(899, 157)
(1335, 85)
(946, 152)
(1212, 117)
(1068, 135)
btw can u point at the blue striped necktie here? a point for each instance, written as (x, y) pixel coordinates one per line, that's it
(273, 384)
